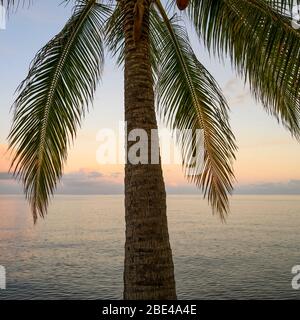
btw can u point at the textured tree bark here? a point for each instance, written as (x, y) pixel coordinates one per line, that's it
(149, 270)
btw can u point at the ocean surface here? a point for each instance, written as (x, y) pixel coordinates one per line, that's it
(77, 251)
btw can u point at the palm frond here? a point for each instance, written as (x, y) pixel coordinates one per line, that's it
(283, 6)
(52, 101)
(263, 46)
(114, 34)
(189, 98)
(8, 4)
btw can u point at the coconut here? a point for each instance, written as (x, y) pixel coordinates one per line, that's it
(182, 4)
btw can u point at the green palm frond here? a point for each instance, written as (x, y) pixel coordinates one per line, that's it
(114, 34)
(283, 6)
(14, 3)
(52, 101)
(189, 98)
(263, 46)
(8, 3)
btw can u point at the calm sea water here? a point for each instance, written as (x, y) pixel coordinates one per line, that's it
(77, 252)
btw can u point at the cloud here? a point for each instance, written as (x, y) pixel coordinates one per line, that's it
(80, 182)
(5, 176)
(8, 185)
(290, 187)
(236, 92)
(85, 182)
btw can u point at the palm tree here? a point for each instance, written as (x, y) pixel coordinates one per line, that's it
(150, 40)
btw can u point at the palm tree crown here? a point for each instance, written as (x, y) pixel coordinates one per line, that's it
(257, 35)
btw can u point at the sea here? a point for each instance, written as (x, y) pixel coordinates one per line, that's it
(77, 251)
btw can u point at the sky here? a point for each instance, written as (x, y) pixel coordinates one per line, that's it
(267, 159)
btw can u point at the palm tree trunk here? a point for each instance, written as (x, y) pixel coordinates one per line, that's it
(149, 270)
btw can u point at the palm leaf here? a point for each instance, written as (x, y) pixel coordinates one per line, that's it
(263, 46)
(189, 98)
(14, 3)
(283, 6)
(52, 101)
(114, 31)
